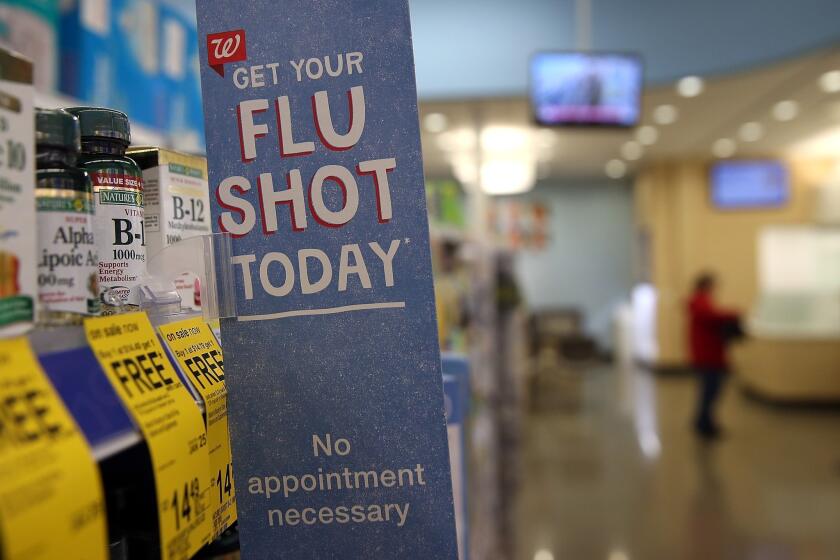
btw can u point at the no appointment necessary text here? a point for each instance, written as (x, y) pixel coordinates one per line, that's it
(322, 481)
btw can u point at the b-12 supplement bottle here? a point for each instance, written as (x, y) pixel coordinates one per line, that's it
(68, 265)
(117, 184)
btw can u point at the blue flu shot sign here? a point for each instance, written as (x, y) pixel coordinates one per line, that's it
(332, 364)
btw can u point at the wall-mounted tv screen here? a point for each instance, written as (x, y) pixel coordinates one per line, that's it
(577, 88)
(749, 184)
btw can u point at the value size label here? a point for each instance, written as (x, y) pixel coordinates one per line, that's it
(141, 374)
(197, 352)
(51, 499)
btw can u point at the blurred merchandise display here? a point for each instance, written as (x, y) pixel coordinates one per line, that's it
(482, 332)
(185, 119)
(520, 225)
(446, 203)
(137, 56)
(510, 372)
(31, 27)
(451, 296)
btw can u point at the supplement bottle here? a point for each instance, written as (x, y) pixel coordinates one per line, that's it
(117, 184)
(68, 266)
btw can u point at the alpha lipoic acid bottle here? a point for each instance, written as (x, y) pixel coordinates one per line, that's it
(117, 184)
(68, 266)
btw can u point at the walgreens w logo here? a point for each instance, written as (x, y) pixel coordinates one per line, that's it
(225, 47)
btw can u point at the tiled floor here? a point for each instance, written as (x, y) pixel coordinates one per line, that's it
(612, 472)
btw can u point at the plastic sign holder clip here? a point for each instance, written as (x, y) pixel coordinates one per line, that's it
(205, 256)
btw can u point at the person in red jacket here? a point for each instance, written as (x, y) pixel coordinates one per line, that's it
(707, 336)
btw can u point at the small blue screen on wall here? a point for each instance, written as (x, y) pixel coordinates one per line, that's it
(576, 88)
(749, 184)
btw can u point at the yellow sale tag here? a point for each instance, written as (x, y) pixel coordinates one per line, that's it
(199, 355)
(136, 364)
(51, 501)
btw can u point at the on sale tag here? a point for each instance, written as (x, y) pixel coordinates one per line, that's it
(199, 355)
(51, 498)
(136, 365)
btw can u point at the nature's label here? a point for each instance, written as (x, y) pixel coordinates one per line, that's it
(68, 267)
(51, 501)
(199, 355)
(120, 234)
(141, 374)
(18, 289)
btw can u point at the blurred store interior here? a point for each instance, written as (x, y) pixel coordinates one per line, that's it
(566, 253)
(589, 411)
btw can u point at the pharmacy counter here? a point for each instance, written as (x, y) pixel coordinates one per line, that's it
(790, 367)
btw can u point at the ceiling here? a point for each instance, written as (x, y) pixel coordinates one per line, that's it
(718, 112)
(481, 48)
